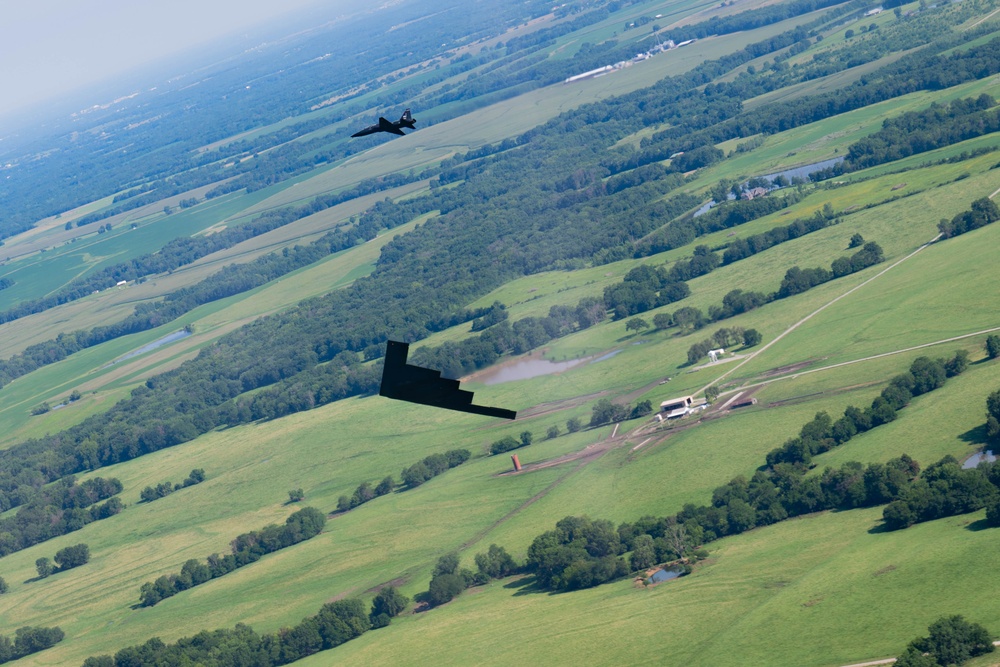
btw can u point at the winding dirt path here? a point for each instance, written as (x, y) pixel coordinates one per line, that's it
(808, 317)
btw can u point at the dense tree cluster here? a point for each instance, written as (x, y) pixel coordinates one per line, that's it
(448, 580)
(151, 493)
(751, 245)
(579, 553)
(920, 131)
(798, 280)
(336, 623)
(247, 548)
(952, 640)
(28, 640)
(982, 212)
(66, 559)
(943, 489)
(56, 509)
(822, 433)
(432, 466)
(609, 412)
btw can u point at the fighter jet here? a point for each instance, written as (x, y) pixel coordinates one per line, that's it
(383, 125)
(406, 382)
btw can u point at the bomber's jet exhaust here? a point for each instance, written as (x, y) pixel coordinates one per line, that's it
(406, 382)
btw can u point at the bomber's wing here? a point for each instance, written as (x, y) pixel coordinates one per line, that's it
(425, 386)
(387, 126)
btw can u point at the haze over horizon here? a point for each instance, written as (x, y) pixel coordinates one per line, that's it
(60, 46)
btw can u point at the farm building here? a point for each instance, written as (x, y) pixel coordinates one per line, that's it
(678, 407)
(743, 403)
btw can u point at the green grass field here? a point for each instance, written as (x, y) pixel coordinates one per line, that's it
(821, 590)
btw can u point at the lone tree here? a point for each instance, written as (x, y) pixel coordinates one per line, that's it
(751, 337)
(3, 585)
(573, 424)
(296, 495)
(712, 393)
(636, 324)
(993, 346)
(663, 320)
(552, 432)
(857, 241)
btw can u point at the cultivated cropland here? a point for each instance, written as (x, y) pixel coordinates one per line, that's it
(198, 278)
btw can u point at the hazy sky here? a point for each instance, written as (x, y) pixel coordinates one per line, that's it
(50, 46)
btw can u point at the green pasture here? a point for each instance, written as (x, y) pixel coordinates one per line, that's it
(821, 590)
(89, 372)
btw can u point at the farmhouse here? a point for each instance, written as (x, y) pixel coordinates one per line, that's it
(753, 193)
(678, 407)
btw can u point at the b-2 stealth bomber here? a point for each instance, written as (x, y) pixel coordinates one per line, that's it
(406, 382)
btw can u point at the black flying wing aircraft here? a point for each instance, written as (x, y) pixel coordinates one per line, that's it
(406, 382)
(383, 125)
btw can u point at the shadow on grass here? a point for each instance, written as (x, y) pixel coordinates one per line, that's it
(879, 529)
(978, 525)
(527, 585)
(974, 436)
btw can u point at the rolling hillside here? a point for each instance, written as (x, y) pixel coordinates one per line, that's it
(267, 258)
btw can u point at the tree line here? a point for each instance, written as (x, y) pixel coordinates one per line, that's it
(246, 548)
(56, 509)
(412, 476)
(822, 433)
(336, 623)
(582, 552)
(28, 640)
(983, 211)
(917, 132)
(737, 301)
(448, 580)
(151, 493)
(272, 352)
(232, 279)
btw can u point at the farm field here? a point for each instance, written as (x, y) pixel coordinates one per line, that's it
(825, 589)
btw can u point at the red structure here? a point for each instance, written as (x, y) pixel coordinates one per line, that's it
(517, 464)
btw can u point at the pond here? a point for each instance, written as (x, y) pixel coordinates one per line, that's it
(527, 369)
(666, 574)
(804, 170)
(169, 338)
(976, 459)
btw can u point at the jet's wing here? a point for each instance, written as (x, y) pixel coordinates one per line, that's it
(387, 126)
(414, 384)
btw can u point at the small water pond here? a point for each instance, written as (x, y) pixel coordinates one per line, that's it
(666, 574)
(169, 338)
(976, 459)
(805, 170)
(527, 369)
